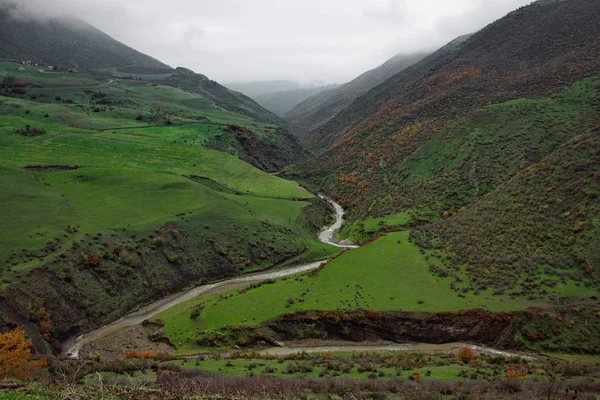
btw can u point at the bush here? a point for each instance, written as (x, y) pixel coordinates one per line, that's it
(29, 131)
(465, 354)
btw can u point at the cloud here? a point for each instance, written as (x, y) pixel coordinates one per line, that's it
(307, 40)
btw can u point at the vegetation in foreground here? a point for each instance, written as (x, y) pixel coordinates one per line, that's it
(460, 375)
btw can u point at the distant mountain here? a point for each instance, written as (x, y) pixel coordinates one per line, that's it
(64, 43)
(282, 102)
(317, 110)
(259, 88)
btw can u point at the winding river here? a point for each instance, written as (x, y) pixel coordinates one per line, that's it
(326, 236)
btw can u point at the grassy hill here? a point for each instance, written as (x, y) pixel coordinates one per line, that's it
(320, 108)
(114, 195)
(64, 43)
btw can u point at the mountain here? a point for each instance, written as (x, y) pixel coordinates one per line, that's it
(68, 43)
(65, 43)
(454, 126)
(320, 108)
(282, 102)
(190, 81)
(259, 88)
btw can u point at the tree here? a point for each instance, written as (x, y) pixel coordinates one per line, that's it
(15, 350)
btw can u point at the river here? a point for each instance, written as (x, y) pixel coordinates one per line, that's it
(327, 235)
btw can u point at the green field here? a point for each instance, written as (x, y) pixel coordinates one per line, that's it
(361, 230)
(388, 274)
(325, 368)
(121, 174)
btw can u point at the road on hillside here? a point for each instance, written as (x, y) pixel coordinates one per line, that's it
(326, 236)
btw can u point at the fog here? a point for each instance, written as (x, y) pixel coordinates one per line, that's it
(303, 40)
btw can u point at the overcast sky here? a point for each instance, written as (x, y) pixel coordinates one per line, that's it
(304, 40)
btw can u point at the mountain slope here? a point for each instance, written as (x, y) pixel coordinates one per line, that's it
(65, 44)
(190, 81)
(547, 215)
(530, 53)
(319, 109)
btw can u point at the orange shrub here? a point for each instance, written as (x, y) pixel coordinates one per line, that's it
(15, 350)
(465, 354)
(514, 372)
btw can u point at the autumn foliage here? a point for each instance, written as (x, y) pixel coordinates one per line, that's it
(15, 350)
(465, 354)
(42, 316)
(514, 372)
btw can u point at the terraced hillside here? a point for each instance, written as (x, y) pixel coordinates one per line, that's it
(113, 195)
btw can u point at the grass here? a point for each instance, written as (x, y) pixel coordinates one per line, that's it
(361, 230)
(388, 274)
(282, 368)
(135, 178)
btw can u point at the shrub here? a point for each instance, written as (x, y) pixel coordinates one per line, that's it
(29, 131)
(465, 354)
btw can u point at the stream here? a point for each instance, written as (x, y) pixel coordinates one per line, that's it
(326, 236)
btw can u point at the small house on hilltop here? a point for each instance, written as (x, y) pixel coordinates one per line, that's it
(50, 68)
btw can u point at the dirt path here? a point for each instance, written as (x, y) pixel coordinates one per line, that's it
(361, 348)
(73, 346)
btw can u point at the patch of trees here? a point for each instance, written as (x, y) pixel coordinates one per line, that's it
(10, 85)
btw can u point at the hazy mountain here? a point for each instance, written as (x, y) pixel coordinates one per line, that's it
(320, 108)
(64, 43)
(282, 102)
(260, 88)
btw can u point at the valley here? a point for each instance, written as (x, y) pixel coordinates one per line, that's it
(428, 230)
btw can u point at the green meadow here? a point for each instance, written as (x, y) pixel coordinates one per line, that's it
(388, 274)
(120, 173)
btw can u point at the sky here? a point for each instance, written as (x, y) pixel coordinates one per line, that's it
(329, 41)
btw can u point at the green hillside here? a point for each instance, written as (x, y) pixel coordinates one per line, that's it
(114, 195)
